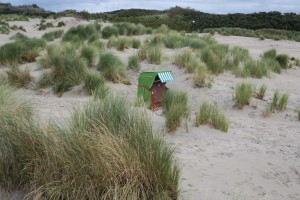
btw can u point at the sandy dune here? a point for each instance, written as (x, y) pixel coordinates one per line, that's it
(259, 158)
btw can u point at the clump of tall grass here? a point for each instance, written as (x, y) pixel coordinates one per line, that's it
(200, 76)
(67, 68)
(142, 53)
(162, 29)
(140, 163)
(129, 29)
(261, 92)
(174, 40)
(50, 36)
(18, 36)
(210, 114)
(213, 56)
(136, 43)
(112, 68)
(21, 50)
(81, 33)
(4, 29)
(99, 45)
(140, 102)
(3, 79)
(283, 60)
(154, 54)
(112, 41)
(239, 55)
(60, 24)
(19, 77)
(45, 26)
(243, 93)
(93, 81)
(261, 33)
(297, 62)
(279, 102)
(123, 43)
(109, 31)
(283, 101)
(270, 54)
(182, 59)
(134, 63)
(175, 106)
(89, 54)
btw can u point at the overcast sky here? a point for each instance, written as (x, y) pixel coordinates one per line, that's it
(210, 6)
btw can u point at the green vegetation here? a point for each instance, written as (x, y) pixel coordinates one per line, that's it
(142, 52)
(56, 160)
(279, 102)
(261, 92)
(183, 59)
(98, 44)
(283, 101)
(109, 31)
(200, 76)
(188, 19)
(112, 68)
(13, 17)
(134, 63)
(45, 26)
(21, 50)
(140, 102)
(124, 28)
(270, 62)
(213, 57)
(93, 82)
(18, 77)
(298, 114)
(154, 54)
(60, 24)
(175, 106)
(136, 43)
(4, 29)
(89, 53)
(297, 63)
(50, 36)
(210, 114)
(67, 68)
(81, 33)
(270, 54)
(18, 36)
(120, 43)
(283, 60)
(243, 93)
(261, 33)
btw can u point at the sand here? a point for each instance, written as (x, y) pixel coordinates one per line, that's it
(259, 158)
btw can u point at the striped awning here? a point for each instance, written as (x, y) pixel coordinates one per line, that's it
(165, 76)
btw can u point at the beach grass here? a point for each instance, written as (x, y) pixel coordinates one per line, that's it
(210, 114)
(243, 93)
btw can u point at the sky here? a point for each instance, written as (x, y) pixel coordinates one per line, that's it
(209, 6)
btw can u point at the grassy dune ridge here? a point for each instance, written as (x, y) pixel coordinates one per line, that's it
(107, 150)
